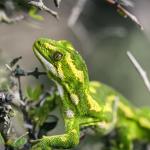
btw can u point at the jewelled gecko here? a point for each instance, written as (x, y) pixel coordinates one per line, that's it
(85, 103)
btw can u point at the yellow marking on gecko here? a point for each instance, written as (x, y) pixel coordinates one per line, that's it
(144, 122)
(66, 44)
(93, 104)
(92, 90)
(110, 99)
(60, 71)
(63, 139)
(96, 84)
(48, 46)
(78, 73)
(128, 112)
(74, 131)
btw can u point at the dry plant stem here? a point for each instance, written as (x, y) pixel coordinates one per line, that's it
(5, 18)
(140, 70)
(57, 3)
(126, 13)
(42, 6)
(132, 17)
(20, 90)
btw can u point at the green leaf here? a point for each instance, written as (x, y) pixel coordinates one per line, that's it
(40, 114)
(29, 92)
(37, 92)
(33, 94)
(20, 142)
(1, 139)
(33, 14)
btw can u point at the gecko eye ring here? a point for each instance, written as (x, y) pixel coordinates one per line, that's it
(57, 56)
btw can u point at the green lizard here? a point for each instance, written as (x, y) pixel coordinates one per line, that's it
(87, 103)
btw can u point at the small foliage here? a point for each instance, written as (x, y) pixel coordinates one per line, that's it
(1, 140)
(33, 94)
(20, 142)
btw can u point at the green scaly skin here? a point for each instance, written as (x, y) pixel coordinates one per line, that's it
(87, 103)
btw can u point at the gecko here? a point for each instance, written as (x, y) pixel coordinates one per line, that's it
(85, 103)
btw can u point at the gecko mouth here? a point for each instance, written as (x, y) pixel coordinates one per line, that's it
(45, 62)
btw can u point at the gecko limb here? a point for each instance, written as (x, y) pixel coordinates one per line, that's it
(67, 140)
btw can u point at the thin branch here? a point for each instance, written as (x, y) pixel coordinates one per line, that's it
(140, 70)
(124, 12)
(5, 18)
(127, 3)
(57, 3)
(42, 6)
(131, 16)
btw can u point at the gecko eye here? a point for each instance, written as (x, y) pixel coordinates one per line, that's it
(57, 56)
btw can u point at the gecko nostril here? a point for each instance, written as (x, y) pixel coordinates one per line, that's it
(39, 43)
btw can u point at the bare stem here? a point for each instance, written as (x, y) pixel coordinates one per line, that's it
(140, 70)
(42, 6)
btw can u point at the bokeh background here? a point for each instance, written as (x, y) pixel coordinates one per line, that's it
(100, 34)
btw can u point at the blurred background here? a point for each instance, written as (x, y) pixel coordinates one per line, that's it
(100, 34)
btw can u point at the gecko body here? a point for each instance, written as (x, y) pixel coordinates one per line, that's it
(85, 103)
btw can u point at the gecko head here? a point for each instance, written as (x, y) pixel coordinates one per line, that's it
(61, 61)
